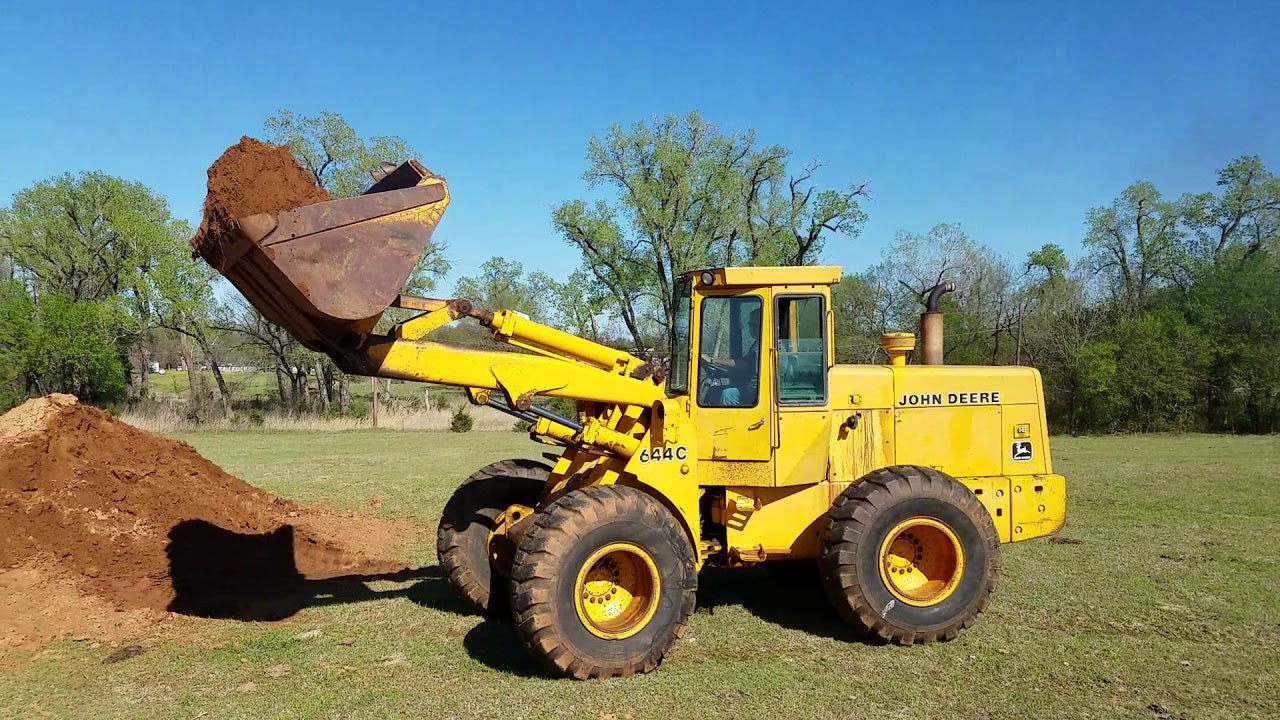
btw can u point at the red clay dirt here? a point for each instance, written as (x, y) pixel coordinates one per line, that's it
(249, 178)
(106, 526)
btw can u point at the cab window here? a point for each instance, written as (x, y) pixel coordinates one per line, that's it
(678, 381)
(802, 363)
(729, 352)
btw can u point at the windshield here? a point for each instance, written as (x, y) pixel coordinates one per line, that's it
(678, 380)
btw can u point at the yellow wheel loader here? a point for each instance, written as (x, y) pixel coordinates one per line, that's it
(751, 446)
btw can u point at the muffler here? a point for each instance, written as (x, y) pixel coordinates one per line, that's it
(931, 335)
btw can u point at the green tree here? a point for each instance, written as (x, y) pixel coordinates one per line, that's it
(687, 195)
(59, 344)
(17, 313)
(93, 238)
(578, 304)
(1162, 360)
(1236, 305)
(1135, 243)
(503, 285)
(859, 317)
(1247, 213)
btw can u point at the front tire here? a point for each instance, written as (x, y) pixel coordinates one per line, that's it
(909, 556)
(462, 540)
(603, 583)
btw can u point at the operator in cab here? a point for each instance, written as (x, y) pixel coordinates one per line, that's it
(743, 370)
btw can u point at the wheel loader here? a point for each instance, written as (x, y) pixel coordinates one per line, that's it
(899, 482)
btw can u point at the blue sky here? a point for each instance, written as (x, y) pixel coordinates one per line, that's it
(1011, 119)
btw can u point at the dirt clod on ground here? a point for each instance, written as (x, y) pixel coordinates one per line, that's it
(249, 178)
(107, 527)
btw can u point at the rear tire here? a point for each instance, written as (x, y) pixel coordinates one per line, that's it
(603, 583)
(909, 556)
(462, 540)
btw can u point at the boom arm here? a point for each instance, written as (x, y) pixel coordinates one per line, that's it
(564, 365)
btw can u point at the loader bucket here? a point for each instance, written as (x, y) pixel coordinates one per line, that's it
(326, 272)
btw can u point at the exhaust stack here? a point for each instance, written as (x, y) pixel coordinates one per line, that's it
(931, 325)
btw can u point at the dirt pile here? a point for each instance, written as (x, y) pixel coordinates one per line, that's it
(95, 509)
(249, 178)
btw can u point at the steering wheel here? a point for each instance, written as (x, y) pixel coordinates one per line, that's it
(715, 367)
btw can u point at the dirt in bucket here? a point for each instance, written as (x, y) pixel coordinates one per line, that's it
(108, 527)
(249, 178)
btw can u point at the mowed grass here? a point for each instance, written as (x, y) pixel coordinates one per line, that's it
(1161, 600)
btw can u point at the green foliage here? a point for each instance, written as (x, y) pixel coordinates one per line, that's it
(16, 320)
(461, 420)
(60, 345)
(1171, 320)
(1237, 305)
(1161, 360)
(687, 195)
(1134, 243)
(89, 236)
(502, 285)
(257, 417)
(576, 304)
(112, 246)
(1097, 385)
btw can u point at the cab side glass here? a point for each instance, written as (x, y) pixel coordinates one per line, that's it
(729, 352)
(802, 366)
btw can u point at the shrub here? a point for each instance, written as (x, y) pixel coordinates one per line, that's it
(257, 417)
(439, 400)
(461, 421)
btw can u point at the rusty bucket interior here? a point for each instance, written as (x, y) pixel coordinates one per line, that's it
(326, 272)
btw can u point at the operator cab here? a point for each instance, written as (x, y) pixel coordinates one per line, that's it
(752, 347)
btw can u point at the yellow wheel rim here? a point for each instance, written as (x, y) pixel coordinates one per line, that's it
(617, 590)
(921, 561)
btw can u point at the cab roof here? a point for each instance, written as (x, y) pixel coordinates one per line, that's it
(761, 276)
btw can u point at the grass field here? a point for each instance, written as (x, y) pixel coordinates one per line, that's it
(1162, 599)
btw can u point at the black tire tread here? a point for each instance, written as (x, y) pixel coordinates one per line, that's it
(849, 517)
(491, 486)
(533, 576)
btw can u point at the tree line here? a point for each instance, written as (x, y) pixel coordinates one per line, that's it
(1168, 319)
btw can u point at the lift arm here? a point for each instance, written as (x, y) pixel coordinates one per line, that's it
(558, 365)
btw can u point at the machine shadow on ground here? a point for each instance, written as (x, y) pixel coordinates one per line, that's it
(787, 594)
(219, 573)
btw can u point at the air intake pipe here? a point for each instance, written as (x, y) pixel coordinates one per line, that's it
(931, 325)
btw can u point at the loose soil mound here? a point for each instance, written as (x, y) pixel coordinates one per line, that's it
(252, 177)
(140, 523)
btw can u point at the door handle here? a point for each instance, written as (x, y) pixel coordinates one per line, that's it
(756, 425)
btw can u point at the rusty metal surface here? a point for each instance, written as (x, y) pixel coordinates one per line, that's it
(327, 272)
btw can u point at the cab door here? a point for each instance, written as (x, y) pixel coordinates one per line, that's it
(800, 372)
(733, 392)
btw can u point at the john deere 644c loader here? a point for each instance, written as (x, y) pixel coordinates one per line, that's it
(901, 480)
